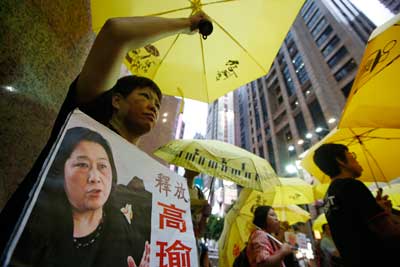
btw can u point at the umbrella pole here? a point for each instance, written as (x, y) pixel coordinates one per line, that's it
(211, 189)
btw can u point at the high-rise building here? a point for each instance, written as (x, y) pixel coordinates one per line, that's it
(220, 126)
(303, 95)
(392, 5)
(242, 135)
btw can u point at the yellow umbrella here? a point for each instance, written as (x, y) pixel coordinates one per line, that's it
(374, 98)
(376, 150)
(292, 214)
(222, 160)
(318, 222)
(292, 191)
(320, 190)
(236, 232)
(246, 38)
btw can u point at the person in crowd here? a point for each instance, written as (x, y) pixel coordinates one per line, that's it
(363, 228)
(200, 210)
(330, 254)
(262, 248)
(74, 222)
(128, 105)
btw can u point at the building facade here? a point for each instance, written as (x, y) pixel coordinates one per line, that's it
(303, 95)
(392, 5)
(220, 126)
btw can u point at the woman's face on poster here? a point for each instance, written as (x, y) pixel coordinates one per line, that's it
(88, 177)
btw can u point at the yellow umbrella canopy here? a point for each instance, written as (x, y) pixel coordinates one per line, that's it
(222, 160)
(373, 100)
(292, 191)
(318, 222)
(292, 214)
(236, 232)
(245, 40)
(376, 150)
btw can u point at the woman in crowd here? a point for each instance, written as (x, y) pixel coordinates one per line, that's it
(263, 249)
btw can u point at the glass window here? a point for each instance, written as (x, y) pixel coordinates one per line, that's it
(309, 12)
(337, 56)
(346, 89)
(321, 24)
(301, 125)
(330, 46)
(324, 36)
(288, 81)
(317, 115)
(345, 70)
(314, 19)
(300, 69)
(271, 155)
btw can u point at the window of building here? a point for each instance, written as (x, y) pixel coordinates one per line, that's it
(264, 108)
(294, 104)
(267, 131)
(301, 125)
(261, 151)
(280, 118)
(309, 11)
(321, 24)
(300, 68)
(317, 115)
(280, 100)
(288, 81)
(345, 70)
(287, 133)
(271, 155)
(305, 7)
(330, 46)
(346, 89)
(324, 35)
(259, 138)
(314, 19)
(339, 55)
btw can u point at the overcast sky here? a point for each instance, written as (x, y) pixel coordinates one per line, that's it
(195, 112)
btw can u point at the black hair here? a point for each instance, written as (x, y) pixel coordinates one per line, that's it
(326, 156)
(70, 141)
(128, 84)
(260, 216)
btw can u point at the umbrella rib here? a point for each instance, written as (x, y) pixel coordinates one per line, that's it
(166, 54)
(204, 67)
(217, 2)
(238, 44)
(169, 11)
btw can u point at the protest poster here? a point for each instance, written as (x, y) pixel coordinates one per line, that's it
(99, 200)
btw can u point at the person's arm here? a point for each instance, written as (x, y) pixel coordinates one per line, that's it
(116, 38)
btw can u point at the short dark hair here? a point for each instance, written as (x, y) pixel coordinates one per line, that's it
(260, 216)
(325, 157)
(125, 85)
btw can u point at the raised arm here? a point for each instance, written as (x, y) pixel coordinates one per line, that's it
(119, 35)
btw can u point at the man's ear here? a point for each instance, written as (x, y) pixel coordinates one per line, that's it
(116, 100)
(340, 162)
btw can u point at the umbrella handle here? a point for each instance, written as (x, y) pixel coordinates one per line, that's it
(205, 28)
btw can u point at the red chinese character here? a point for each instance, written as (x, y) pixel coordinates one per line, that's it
(178, 255)
(172, 217)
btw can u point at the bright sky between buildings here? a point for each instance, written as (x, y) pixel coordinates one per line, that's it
(195, 112)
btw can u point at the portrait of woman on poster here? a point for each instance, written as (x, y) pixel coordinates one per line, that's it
(79, 219)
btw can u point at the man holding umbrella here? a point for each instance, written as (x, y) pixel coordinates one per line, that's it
(363, 228)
